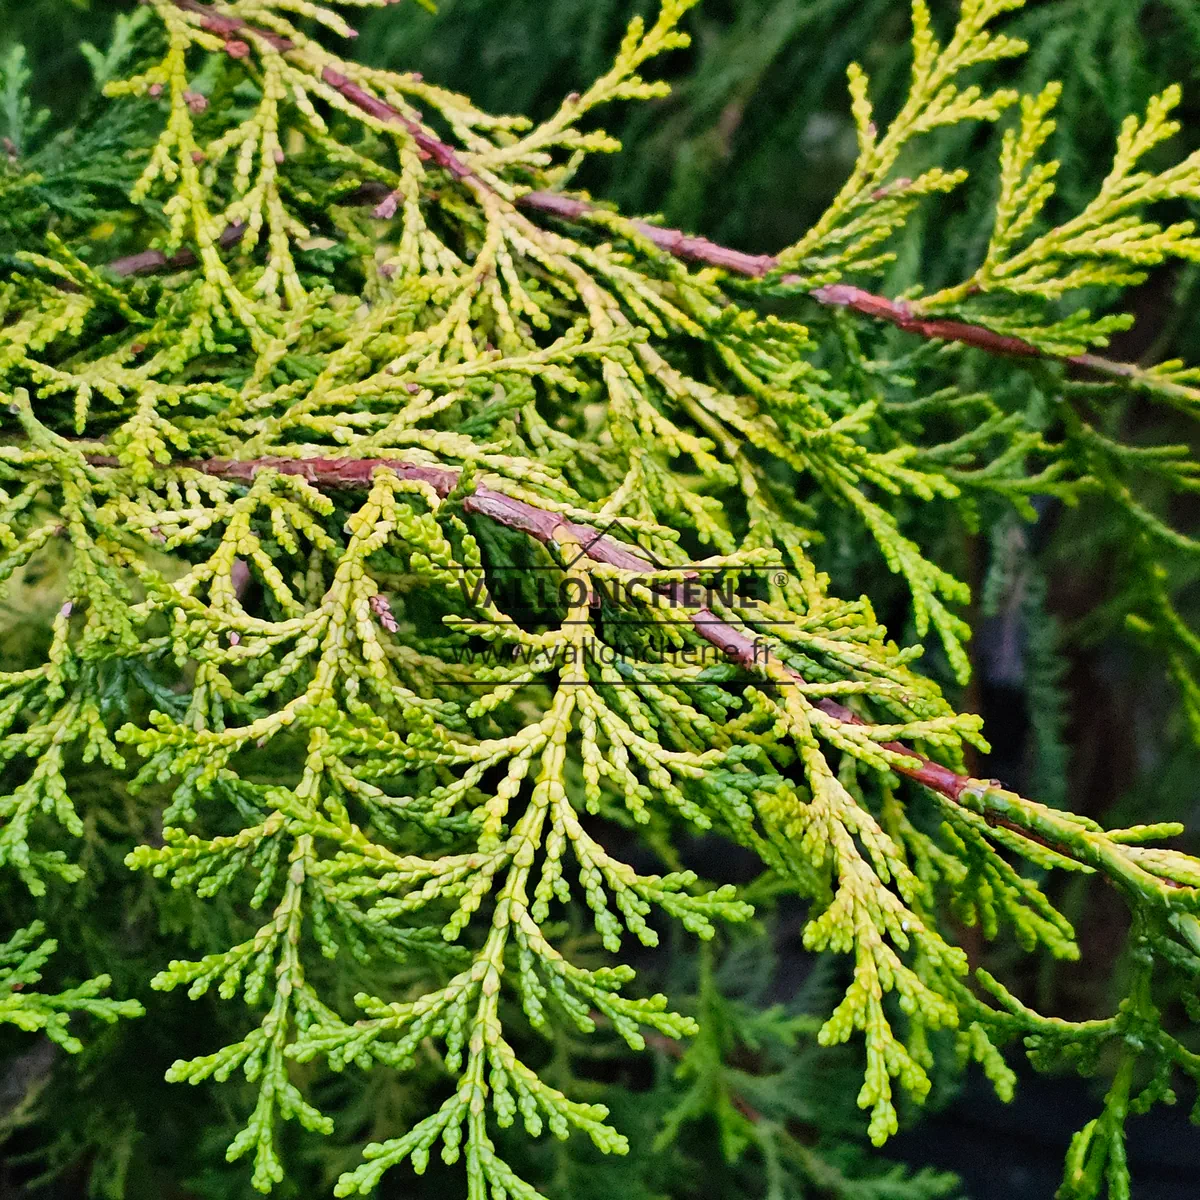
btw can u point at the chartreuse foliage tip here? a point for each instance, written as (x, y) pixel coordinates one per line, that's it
(370, 362)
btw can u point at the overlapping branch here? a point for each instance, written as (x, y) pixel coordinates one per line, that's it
(687, 247)
(546, 526)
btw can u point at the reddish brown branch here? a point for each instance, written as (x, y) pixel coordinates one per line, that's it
(230, 28)
(355, 474)
(673, 241)
(835, 295)
(741, 648)
(431, 146)
(148, 261)
(900, 314)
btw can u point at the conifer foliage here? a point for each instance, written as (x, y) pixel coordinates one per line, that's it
(437, 549)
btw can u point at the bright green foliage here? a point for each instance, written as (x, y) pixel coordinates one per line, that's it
(1065, 258)
(384, 748)
(873, 203)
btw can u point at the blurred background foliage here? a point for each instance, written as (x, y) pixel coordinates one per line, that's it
(751, 145)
